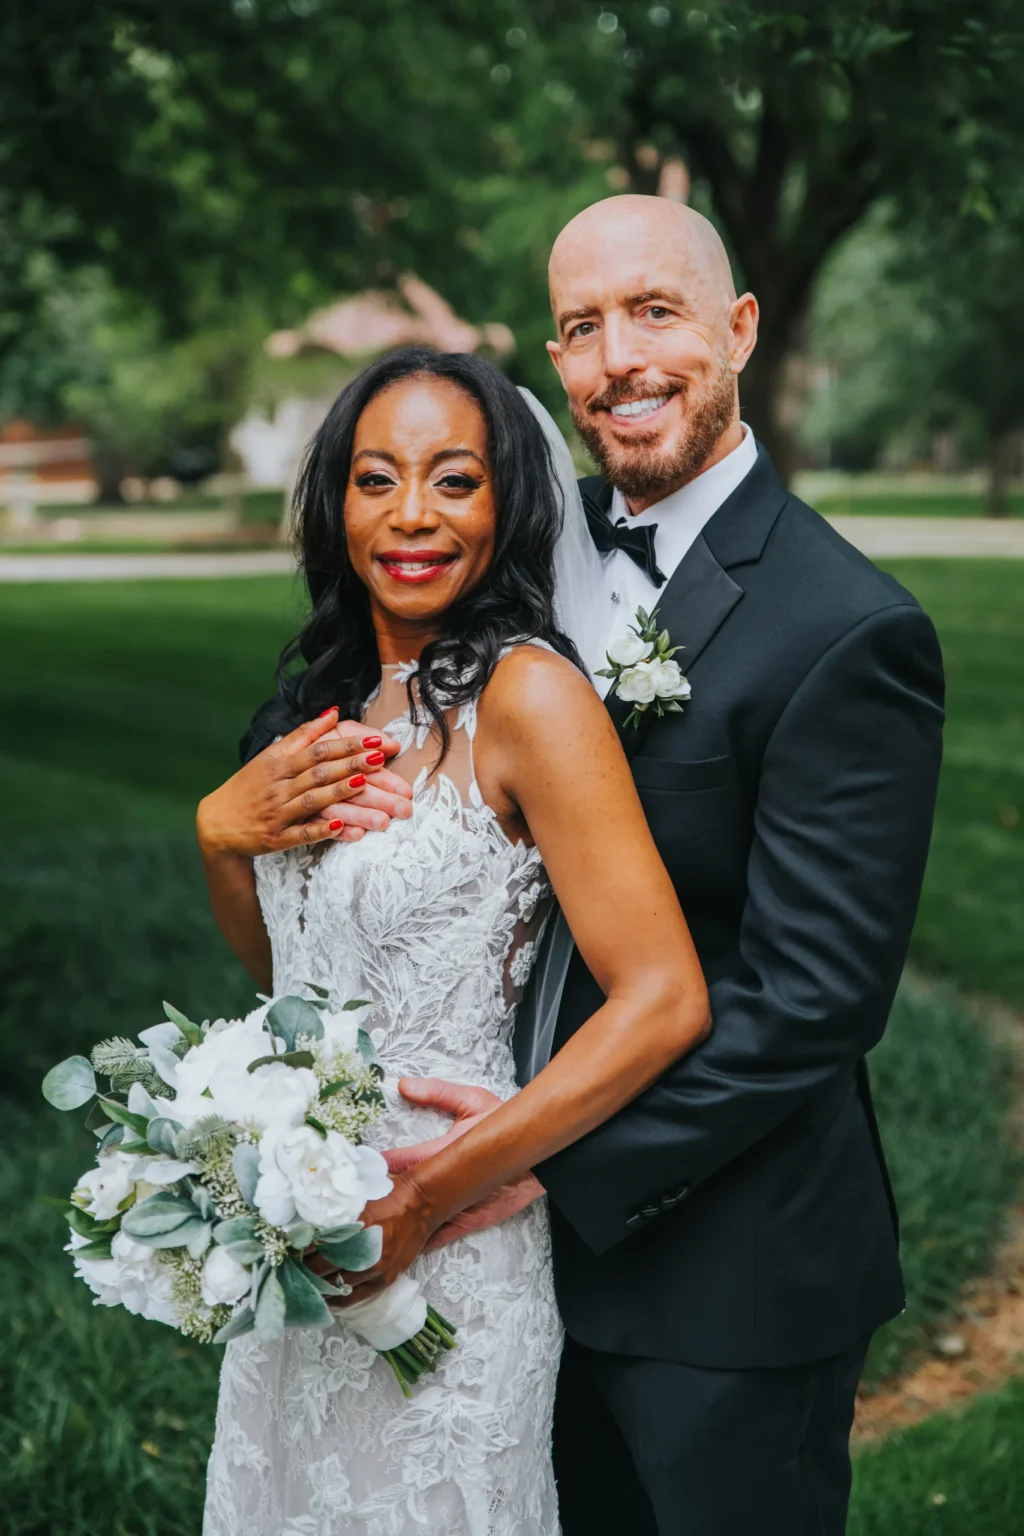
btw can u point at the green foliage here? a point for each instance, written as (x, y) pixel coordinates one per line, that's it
(959, 1474)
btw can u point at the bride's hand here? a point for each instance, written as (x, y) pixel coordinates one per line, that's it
(281, 798)
(406, 1224)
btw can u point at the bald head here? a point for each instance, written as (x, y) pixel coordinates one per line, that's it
(632, 223)
(651, 339)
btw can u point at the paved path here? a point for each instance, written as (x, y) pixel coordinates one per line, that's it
(883, 538)
(69, 567)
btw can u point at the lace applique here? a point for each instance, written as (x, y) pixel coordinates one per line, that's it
(437, 920)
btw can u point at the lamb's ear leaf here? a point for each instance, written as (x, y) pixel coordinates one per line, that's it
(162, 1135)
(190, 1234)
(294, 1016)
(300, 1234)
(360, 1252)
(70, 1084)
(364, 1045)
(193, 1034)
(237, 1229)
(158, 1216)
(338, 1234)
(356, 1002)
(246, 1251)
(323, 1286)
(242, 1322)
(204, 1202)
(198, 1239)
(304, 1306)
(270, 1307)
(245, 1159)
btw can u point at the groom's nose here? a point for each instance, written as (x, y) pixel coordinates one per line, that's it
(623, 346)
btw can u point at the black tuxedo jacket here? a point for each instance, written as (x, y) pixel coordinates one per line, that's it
(738, 1214)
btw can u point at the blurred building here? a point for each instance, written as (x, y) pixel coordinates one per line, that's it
(38, 465)
(270, 445)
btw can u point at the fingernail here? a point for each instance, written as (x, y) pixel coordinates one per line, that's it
(325, 712)
(372, 741)
(335, 826)
(357, 781)
(374, 759)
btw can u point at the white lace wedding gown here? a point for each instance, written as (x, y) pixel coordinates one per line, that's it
(437, 921)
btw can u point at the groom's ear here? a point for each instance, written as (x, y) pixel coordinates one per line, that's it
(555, 354)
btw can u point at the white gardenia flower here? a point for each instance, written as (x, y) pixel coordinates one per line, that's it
(629, 650)
(224, 1280)
(101, 1190)
(134, 1277)
(636, 684)
(669, 682)
(327, 1181)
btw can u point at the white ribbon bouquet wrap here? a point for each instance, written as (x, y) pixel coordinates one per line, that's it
(227, 1154)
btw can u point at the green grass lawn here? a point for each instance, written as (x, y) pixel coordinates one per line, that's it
(120, 704)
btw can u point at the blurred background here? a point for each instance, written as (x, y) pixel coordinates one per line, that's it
(212, 213)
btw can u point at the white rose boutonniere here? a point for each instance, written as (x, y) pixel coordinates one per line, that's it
(643, 671)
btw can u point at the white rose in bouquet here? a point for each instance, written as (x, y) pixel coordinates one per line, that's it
(270, 1096)
(629, 650)
(134, 1277)
(323, 1180)
(636, 684)
(101, 1190)
(224, 1281)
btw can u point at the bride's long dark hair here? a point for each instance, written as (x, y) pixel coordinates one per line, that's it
(514, 601)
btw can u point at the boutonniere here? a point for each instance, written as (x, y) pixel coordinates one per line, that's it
(643, 670)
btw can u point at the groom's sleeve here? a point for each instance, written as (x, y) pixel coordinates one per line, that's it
(841, 831)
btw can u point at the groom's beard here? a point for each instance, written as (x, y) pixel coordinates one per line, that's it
(641, 468)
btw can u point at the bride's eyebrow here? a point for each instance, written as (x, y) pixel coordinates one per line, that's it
(375, 453)
(456, 453)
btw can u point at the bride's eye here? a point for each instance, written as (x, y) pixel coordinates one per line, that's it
(373, 480)
(455, 481)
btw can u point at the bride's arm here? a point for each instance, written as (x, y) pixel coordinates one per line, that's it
(550, 762)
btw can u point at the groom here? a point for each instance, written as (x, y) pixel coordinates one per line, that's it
(726, 1245)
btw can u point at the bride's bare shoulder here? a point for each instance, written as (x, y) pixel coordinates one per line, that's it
(534, 689)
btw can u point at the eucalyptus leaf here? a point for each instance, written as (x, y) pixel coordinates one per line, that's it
(70, 1084)
(121, 1115)
(193, 1034)
(270, 1307)
(360, 1252)
(294, 1016)
(162, 1135)
(286, 1059)
(246, 1162)
(300, 1234)
(356, 1002)
(316, 989)
(242, 1322)
(236, 1229)
(304, 1305)
(364, 1046)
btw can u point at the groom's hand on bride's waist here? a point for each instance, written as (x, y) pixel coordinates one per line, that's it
(467, 1105)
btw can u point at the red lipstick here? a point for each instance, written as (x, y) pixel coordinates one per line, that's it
(415, 565)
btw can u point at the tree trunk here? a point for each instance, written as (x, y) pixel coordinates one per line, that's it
(1002, 453)
(760, 390)
(109, 467)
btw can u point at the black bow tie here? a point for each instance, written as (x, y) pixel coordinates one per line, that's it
(637, 543)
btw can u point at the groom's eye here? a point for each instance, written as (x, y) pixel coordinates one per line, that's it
(658, 312)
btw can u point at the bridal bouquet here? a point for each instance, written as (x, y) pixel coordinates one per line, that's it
(227, 1153)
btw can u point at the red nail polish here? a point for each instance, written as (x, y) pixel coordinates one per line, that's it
(374, 759)
(372, 741)
(335, 826)
(325, 712)
(357, 781)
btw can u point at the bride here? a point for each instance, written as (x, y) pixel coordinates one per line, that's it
(428, 515)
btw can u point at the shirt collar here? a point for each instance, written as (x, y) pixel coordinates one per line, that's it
(681, 515)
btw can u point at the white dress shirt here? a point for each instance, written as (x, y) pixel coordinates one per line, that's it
(679, 517)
